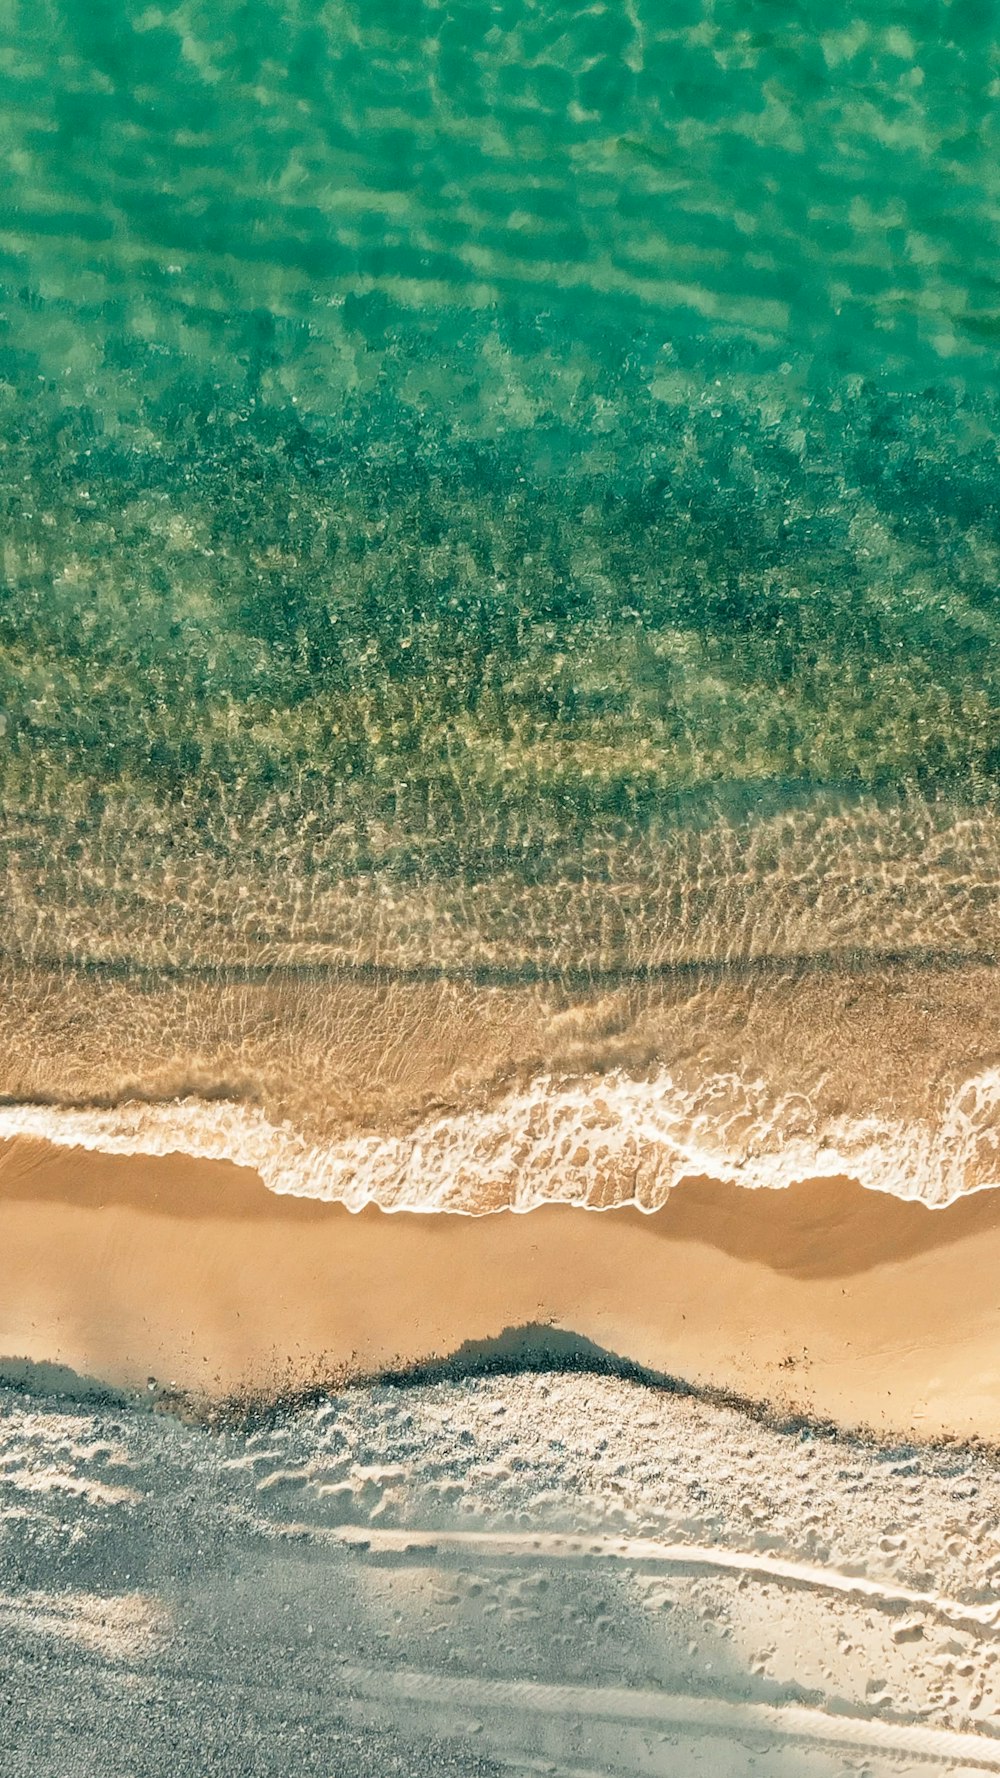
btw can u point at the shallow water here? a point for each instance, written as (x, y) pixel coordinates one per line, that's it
(499, 685)
(500, 592)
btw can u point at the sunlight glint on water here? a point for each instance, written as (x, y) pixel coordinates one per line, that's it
(499, 516)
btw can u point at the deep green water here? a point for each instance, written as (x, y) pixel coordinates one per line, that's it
(501, 421)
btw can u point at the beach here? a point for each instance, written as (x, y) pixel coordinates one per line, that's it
(821, 1299)
(483, 1576)
(499, 888)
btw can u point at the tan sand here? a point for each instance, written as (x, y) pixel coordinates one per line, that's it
(826, 1298)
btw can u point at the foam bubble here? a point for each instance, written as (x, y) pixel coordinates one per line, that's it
(598, 1142)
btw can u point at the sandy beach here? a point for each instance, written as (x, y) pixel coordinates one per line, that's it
(487, 1577)
(824, 1298)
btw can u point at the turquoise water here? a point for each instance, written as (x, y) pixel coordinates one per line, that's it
(533, 407)
(504, 494)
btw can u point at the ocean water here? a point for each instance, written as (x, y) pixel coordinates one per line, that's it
(499, 620)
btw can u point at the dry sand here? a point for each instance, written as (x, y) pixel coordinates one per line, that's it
(490, 1577)
(473, 1577)
(825, 1298)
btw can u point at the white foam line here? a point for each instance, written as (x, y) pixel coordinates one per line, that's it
(792, 1722)
(650, 1133)
(684, 1557)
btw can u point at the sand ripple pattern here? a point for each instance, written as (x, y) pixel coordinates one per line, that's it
(821, 876)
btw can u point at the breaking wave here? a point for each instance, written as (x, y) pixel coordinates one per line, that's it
(596, 1143)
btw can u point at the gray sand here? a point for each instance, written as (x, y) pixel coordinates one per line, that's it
(552, 1573)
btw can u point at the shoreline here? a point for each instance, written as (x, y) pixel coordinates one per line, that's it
(450, 1097)
(822, 1299)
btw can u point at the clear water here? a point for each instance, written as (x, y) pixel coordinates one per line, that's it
(501, 496)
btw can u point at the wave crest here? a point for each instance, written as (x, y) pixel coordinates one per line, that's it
(598, 1143)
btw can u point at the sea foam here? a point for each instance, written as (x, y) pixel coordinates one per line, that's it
(599, 1143)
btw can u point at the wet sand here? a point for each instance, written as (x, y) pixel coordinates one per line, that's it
(825, 1298)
